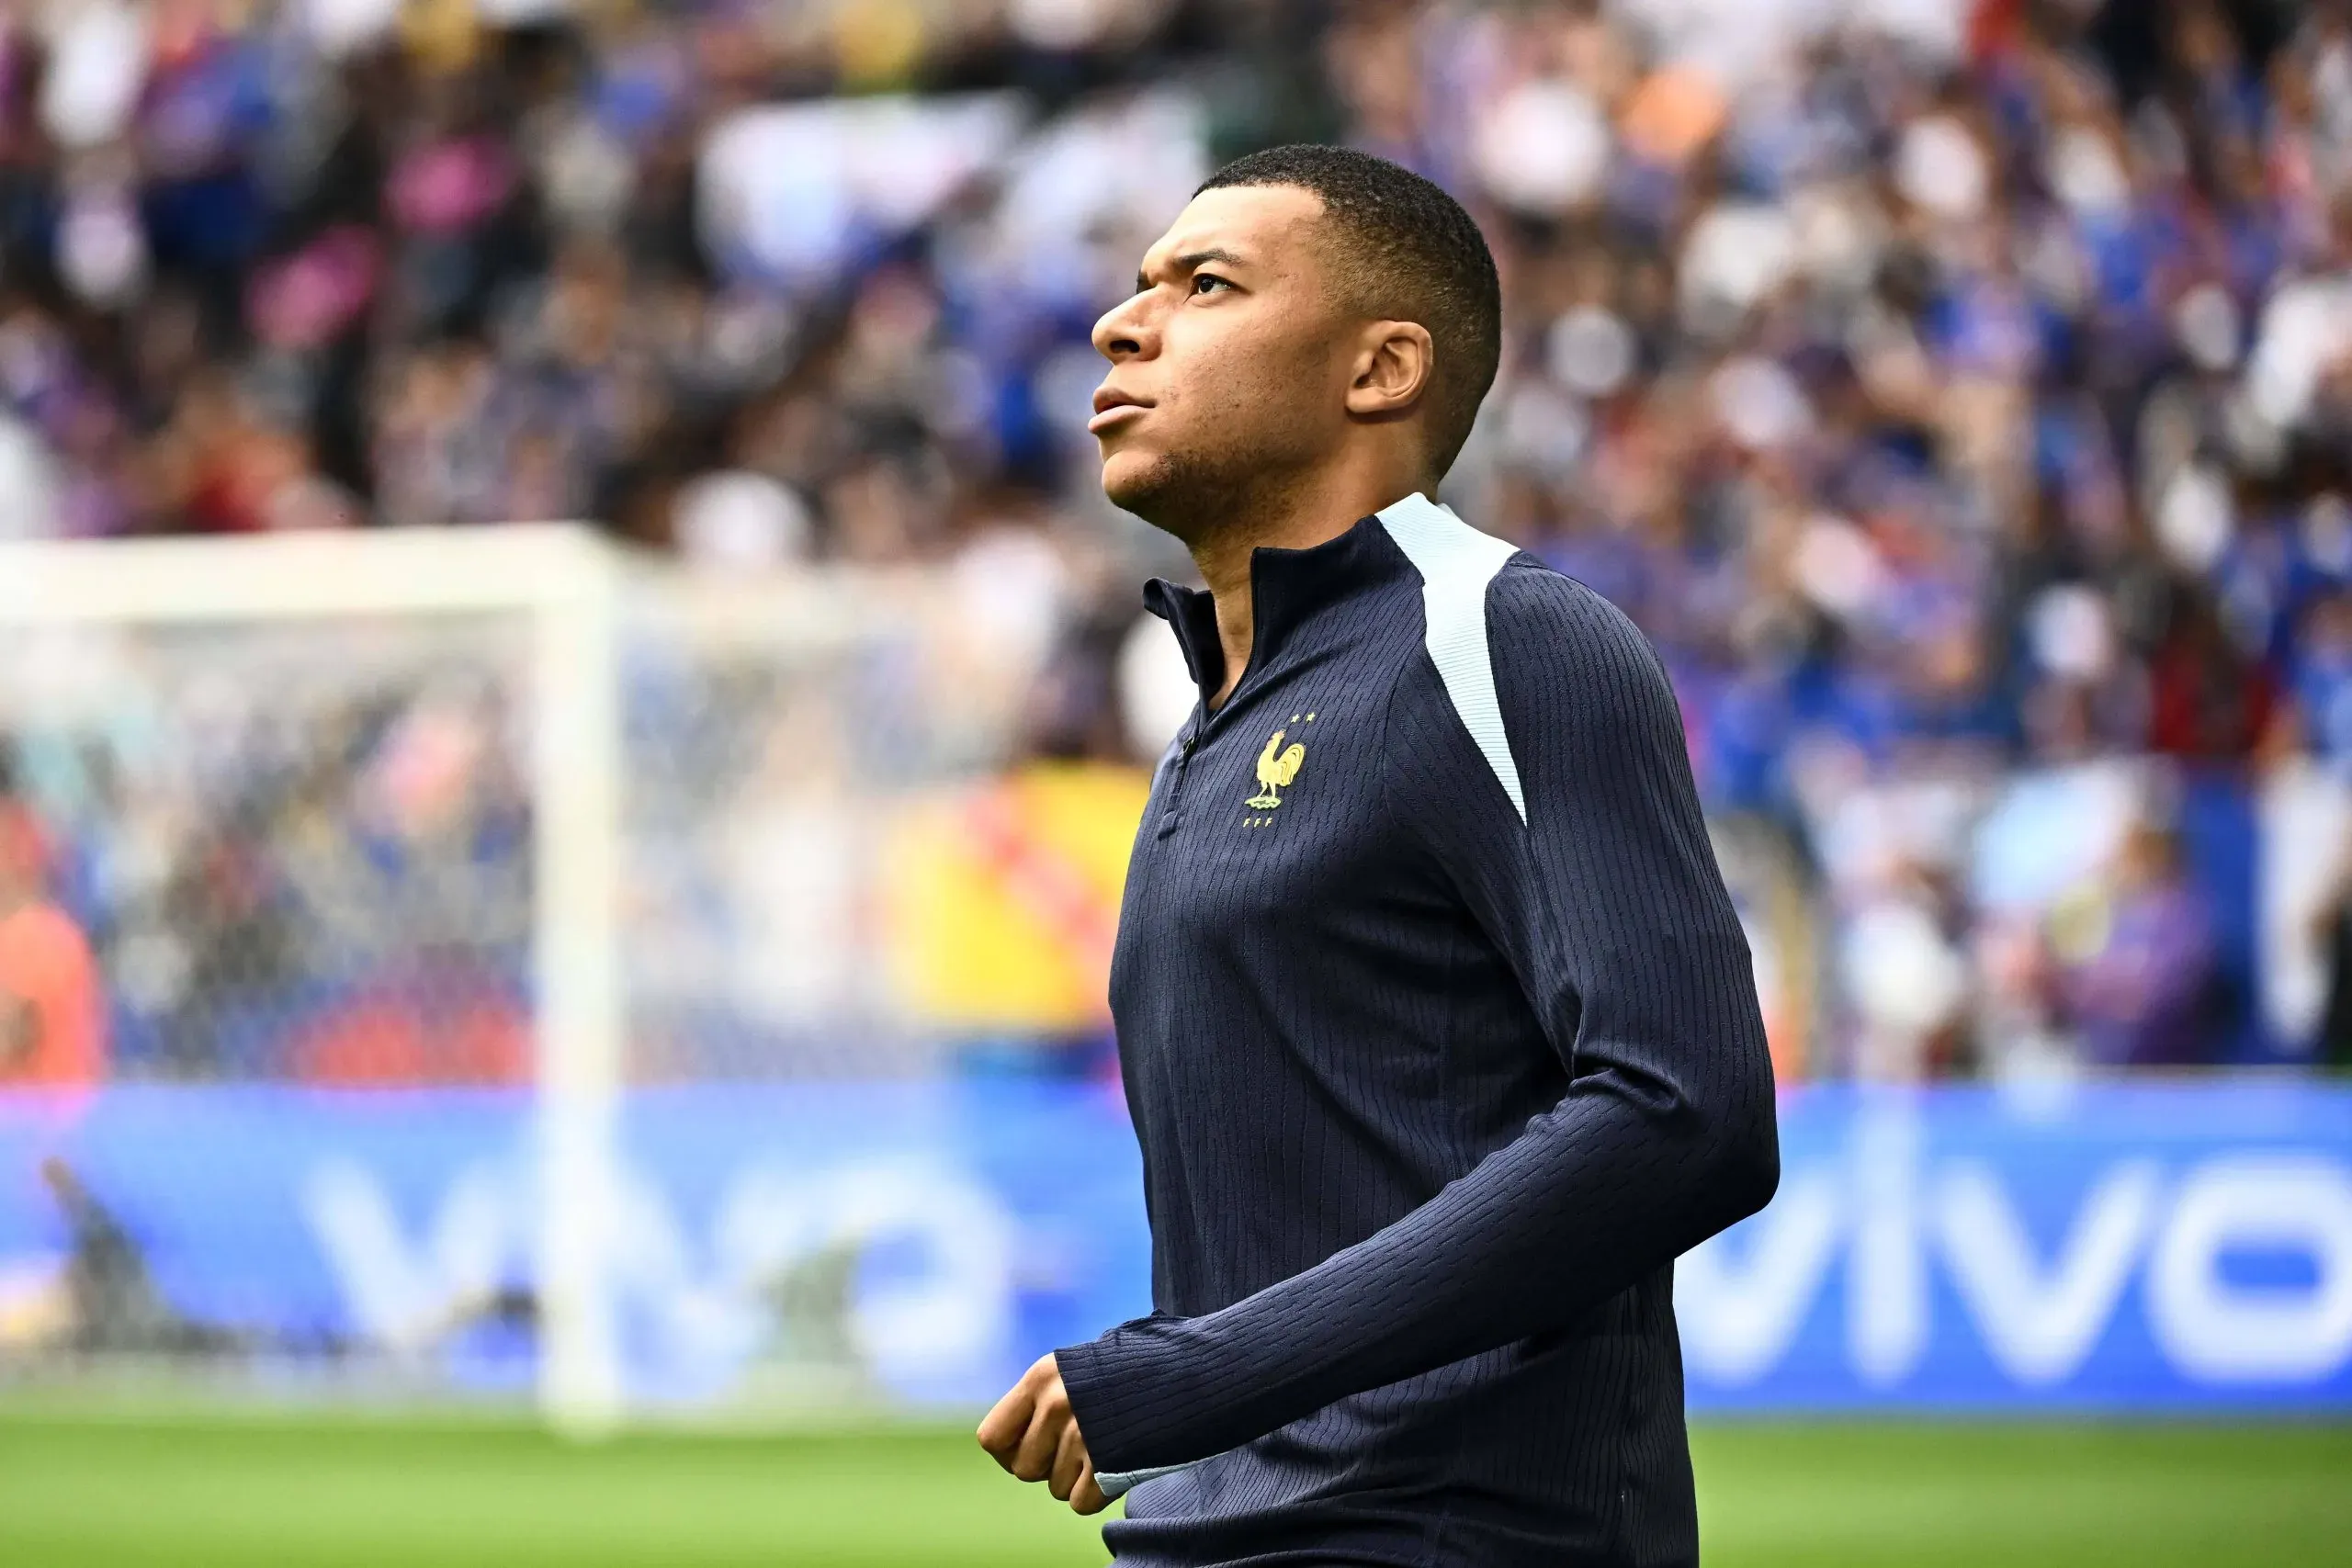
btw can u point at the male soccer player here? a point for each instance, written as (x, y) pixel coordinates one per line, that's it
(1439, 1032)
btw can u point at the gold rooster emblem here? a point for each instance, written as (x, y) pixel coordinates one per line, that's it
(1276, 768)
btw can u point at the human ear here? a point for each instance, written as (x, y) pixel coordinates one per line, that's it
(1394, 364)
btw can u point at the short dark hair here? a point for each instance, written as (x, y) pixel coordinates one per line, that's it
(1408, 251)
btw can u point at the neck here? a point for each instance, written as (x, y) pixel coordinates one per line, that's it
(1305, 516)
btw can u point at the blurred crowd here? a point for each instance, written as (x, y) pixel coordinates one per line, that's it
(1959, 394)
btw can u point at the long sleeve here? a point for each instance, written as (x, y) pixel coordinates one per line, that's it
(1608, 906)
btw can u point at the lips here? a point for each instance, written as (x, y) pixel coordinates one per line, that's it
(1111, 406)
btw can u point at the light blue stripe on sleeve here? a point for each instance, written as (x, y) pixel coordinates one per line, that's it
(1456, 563)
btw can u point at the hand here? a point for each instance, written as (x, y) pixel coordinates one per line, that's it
(1033, 1433)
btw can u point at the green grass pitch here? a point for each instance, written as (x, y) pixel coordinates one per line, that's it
(344, 1492)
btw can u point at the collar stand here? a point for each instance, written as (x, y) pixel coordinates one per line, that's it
(1190, 614)
(1288, 588)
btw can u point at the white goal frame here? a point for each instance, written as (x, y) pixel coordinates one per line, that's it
(564, 579)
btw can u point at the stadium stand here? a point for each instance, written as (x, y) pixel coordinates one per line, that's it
(1957, 396)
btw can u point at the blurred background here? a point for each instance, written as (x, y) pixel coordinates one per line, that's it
(592, 880)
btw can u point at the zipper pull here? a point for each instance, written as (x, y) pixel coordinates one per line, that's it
(1169, 814)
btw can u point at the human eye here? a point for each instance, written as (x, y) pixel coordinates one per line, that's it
(1208, 283)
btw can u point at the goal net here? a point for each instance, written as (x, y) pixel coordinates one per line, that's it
(468, 963)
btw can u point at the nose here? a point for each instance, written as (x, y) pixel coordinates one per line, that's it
(1125, 330)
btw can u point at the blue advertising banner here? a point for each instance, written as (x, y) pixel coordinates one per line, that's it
(2148, 1246)
(2160, 1245)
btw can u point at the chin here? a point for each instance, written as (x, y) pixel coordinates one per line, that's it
(1136, 481)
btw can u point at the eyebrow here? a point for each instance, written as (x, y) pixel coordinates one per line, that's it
(1192, 262)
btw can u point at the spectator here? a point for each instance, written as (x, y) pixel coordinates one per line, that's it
(1957, 396)
(52, 1029)
(2138, 959)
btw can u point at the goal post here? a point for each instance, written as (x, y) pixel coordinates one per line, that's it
(528, 966)
(562, 580)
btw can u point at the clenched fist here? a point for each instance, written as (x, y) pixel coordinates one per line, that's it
(1032, 1432)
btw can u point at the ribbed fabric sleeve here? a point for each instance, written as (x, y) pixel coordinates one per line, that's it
(1611, 914)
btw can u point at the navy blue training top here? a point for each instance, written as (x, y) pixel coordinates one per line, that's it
(1441, 1041)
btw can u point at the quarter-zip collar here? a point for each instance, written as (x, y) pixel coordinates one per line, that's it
(1287, 590)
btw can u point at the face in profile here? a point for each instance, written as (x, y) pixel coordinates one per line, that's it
(1230, 364)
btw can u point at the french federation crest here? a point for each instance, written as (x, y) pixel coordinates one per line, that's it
(1278, 766)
